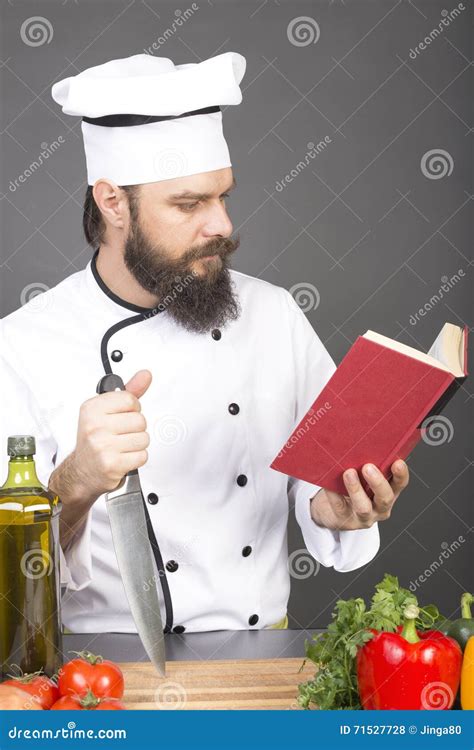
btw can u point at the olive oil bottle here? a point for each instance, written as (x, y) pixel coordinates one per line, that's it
(30, 593)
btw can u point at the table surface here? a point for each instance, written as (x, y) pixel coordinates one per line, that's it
(217, 644)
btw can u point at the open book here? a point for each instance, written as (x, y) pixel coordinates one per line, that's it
(382, 399)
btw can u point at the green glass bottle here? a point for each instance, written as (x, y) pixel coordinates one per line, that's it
(30, 589)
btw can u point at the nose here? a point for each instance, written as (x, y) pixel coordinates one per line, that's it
(218, 223)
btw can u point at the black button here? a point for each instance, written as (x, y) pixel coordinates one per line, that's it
(117, 355)
(253, 619)
(179, 629)
(216, 334)
(246, 551)
(234, 408)
(152, 498)
(172, 566)
(242, 480)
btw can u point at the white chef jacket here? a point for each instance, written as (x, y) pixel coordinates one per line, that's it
(219, 408)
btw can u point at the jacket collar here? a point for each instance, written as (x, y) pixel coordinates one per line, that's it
(110, 294)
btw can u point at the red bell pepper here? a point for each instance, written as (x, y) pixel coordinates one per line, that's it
(407, 670)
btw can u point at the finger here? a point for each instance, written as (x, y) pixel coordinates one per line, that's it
(359, 501)
(139, 383)
(133, 460)
(383, 493)
(400, 476)
(135, 441)
(125, 422)
(114, 402)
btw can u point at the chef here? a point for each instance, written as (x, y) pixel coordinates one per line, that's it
(219, 367)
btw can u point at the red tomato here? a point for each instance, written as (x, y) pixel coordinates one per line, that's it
(110, 705)
(75, 703)
(14, 699)
(90, 672)
(43, 690)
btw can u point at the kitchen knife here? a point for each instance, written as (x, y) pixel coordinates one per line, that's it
(134, 556)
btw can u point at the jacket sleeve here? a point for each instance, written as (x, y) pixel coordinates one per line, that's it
(21, 415)
(342, 550)
(76, 559)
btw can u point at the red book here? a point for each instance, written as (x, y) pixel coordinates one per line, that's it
(382, 399)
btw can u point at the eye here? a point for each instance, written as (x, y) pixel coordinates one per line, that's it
(224, 195)
(187, 207)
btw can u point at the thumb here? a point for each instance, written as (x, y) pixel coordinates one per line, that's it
(139, 383)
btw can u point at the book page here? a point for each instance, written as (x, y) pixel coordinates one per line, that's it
(431, 358)
(448, 347)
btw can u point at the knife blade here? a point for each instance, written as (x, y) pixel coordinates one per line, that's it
(133, 552)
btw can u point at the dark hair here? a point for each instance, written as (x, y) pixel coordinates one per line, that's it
(93, 223)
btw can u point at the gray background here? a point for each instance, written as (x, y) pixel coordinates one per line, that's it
(361, 227)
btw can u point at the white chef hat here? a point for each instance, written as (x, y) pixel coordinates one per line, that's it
(145, 119)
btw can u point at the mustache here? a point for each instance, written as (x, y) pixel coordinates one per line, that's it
(222, 246)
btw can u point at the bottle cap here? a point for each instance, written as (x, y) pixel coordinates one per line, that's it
(21, 445)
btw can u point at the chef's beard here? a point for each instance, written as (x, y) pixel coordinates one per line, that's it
(197, 303)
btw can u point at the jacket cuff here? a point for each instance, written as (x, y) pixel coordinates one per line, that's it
(342, 550)
(75, 561)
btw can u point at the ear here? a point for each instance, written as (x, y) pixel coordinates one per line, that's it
(112, 202)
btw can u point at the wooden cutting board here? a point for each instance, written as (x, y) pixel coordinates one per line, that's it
(226, 684)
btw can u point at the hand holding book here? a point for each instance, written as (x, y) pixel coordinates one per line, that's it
(357, 510)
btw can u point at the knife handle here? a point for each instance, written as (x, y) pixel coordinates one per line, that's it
(112, 382)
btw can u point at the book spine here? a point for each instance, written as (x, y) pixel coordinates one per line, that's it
(445, 398)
